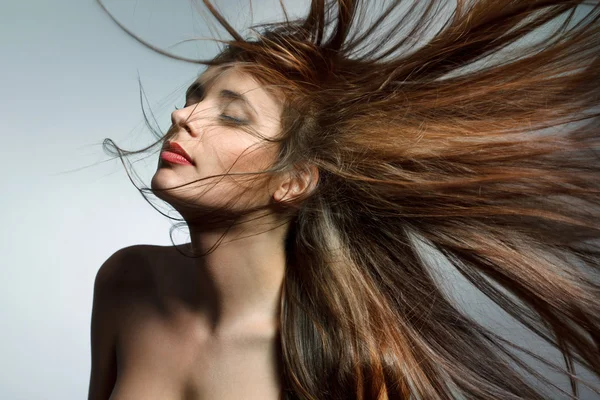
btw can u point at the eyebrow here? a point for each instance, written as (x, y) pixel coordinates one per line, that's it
(198, 87)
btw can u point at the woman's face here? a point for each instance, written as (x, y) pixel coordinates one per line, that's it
(209, 128)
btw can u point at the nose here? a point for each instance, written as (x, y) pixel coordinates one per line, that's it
(181, 118)
(178, 117)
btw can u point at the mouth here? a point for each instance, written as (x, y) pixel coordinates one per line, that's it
(174, 158)
(173, 152)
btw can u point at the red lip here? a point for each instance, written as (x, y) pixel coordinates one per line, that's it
(173, 147)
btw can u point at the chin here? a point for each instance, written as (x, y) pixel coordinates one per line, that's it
(160, 180)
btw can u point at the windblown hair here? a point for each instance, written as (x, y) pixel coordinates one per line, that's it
(472, 141)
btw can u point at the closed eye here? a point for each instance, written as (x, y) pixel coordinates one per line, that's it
(229, 119)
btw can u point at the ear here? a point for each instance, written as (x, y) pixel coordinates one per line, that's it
(301, 180)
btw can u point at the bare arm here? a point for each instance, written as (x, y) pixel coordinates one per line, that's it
(103, 330)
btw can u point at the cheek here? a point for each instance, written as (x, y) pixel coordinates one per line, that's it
(238, 151)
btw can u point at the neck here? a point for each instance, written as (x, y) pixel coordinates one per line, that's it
(240, 280)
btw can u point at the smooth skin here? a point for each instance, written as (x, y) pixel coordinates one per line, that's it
(165, 326)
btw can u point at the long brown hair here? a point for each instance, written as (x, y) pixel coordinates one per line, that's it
(466, 140)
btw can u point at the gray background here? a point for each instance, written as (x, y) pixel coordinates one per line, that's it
(69, 79)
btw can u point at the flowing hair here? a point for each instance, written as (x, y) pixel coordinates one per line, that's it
(464, 139)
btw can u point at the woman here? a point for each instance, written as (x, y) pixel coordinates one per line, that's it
(312, 163)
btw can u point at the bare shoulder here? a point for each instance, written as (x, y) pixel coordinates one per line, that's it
(109, 278)
(137, 264)
(126, 276)
(125, 267)
(143, 278)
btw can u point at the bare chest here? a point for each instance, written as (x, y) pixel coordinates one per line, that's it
(163, 352)
(169, 359)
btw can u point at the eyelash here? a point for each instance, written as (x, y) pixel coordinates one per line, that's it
(224, 118)
(229, 119)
